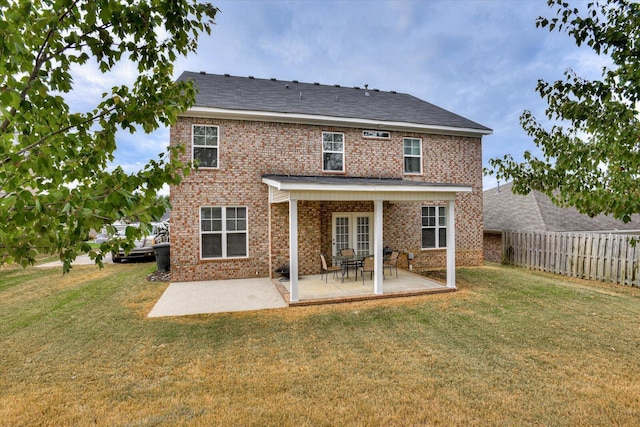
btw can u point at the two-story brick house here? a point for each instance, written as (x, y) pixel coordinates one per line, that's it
(289, 170)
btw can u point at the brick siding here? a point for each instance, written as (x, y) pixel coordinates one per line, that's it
(250, 149)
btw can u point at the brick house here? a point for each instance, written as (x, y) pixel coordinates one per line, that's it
(290, 170)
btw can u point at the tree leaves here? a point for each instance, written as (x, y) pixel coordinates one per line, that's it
(591, 155)
(54, 186)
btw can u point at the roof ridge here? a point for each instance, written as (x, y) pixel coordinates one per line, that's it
(273, 79)
(536, 195)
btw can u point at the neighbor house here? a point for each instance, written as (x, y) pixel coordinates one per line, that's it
(504, 210)
(290, 170)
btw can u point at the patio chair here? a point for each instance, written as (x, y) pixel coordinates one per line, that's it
(345, 252)
(326, 270)
(367, 267)
(392, 262)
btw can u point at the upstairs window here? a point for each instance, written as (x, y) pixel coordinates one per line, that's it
(412, 156)
(434, 227)
(205, 143)
(332, 152)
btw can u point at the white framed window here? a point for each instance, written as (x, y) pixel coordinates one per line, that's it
(412, 155)
(380, 134)
(205, 140)
(223, 232)
(332, 152)
(434, 227)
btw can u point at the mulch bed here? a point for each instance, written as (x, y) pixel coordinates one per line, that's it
(159, 276)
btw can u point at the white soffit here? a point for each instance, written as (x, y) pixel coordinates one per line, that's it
(268, 116)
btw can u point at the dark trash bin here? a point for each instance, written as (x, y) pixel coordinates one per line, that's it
(163, 258)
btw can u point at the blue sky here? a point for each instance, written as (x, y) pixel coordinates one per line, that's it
(478, 58)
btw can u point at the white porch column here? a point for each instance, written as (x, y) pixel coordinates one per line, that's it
(378, 262)
(293, 250)
(451, 245)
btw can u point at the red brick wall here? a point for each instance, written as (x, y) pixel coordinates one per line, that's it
(249, 149)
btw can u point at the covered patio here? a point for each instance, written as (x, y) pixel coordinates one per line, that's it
(294, 189)
(315, 289)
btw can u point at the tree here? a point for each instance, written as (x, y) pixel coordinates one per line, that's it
(54, 182)
(591, 155)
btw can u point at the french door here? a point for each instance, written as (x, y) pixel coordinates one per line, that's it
(352, 230)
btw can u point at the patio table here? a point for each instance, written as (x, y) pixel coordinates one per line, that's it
(347, 261)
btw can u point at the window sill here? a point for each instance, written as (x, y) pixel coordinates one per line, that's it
(224, 259)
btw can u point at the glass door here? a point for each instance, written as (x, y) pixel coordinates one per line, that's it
(352, 230)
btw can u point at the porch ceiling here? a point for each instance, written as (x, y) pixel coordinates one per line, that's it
(283, 188)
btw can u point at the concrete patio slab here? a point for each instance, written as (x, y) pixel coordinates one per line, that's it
(217, 296)
(316, 289)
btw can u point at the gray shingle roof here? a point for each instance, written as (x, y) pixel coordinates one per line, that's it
(271, 95)
(504, 210)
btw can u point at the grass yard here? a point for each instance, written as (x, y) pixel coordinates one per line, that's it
(511, 347)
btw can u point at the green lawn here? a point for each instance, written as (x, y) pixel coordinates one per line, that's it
(511, 347)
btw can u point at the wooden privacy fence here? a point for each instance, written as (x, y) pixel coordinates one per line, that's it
(593, 256)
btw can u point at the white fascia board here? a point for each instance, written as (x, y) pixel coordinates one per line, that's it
(268, 116)
(283, 186)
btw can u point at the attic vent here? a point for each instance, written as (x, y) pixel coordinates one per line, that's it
(381, 134)
(273, 79)
(316, 83)
(295, 81)
(287, 86)
(203, 72)
(336, 85)
(376, 90)
(250, 77)
(356, 87)
(393, 91)
(227, 75)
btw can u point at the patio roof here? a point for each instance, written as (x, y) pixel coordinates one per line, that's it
(283, 188)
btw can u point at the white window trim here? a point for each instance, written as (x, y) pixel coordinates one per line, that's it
(323, 152)
(193, 145)
(437, 227)
(223, 232)
(411, 155)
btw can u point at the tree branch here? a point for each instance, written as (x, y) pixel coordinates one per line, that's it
(40, 60)
(59, 131)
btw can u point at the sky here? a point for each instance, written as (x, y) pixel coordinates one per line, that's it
(480, 59)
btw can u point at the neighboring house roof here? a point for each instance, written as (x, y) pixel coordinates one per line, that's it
(313, 99)
(504, 210)
(166, 216)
